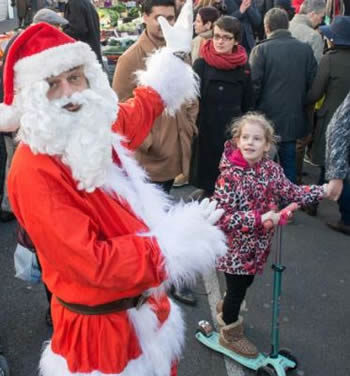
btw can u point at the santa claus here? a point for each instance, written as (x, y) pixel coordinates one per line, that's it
(109, 242)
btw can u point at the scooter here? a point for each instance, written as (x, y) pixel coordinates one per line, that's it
(278, 361)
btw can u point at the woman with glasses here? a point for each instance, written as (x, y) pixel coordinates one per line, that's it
(225, 92)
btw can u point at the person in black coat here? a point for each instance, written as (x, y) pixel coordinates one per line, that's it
(249, 15)
(5, 215)
(84, 24)
(225, 93)
(283, 69)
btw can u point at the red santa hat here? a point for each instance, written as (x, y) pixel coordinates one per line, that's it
(39, 52)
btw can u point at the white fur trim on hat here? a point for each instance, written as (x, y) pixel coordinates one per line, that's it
(52, 62)
(174, 80)
(9, 118)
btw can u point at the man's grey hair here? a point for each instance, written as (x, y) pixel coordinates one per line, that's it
(275, 19)
(308, 6)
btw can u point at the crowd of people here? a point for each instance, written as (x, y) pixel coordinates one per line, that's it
(234, 112)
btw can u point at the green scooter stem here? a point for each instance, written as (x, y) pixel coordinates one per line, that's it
(275, 330)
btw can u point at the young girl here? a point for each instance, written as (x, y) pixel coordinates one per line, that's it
(249, 185)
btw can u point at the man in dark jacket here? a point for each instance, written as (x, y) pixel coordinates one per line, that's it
(84, 24)
(283, 69)
(248, 14)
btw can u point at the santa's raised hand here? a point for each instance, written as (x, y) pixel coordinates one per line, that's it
(178, 37)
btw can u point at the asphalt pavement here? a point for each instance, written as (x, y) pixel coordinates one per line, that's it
(315, 304)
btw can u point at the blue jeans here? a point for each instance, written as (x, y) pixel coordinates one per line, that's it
(344, 203)
(287, 159)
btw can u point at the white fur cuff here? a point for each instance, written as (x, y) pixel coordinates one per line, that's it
(189, 243)
(174, 80)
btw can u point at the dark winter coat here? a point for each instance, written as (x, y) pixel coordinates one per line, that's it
(245, 193)
(283, 69)
(250, 20)
(22, 7)
(224, 95)
(84, 24)
(333, 81)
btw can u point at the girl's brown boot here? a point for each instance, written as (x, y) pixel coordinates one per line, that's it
(232, 337)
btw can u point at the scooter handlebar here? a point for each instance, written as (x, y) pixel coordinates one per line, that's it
(285, 214)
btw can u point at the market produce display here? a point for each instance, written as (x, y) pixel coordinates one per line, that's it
(116, 46)
(121, 24)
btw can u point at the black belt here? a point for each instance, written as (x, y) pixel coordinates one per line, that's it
(103, 309)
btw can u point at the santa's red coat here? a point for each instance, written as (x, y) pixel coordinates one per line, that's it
(90, 254)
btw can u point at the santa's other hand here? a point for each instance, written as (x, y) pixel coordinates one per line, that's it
(178, 38)
(209, 211)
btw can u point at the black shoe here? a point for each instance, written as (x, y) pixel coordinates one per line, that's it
(4, 368)
(340, 227)
(184, 295)
(6, 216)
(48, 318)
(311, 209)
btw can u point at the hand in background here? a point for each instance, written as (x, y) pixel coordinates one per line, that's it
(245, 5)
(334, 189)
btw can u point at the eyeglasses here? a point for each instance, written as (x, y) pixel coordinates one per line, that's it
(224, 38)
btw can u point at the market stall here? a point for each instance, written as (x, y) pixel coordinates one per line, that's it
(121, 24)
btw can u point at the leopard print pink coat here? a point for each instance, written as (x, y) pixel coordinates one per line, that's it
(245, 193)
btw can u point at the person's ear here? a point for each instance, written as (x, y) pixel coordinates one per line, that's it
(144, 18)
(267, 147)
(267, 30)
(209, 25)
(235, 141)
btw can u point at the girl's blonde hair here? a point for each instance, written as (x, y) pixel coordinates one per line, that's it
(255, 118)
(204, 3)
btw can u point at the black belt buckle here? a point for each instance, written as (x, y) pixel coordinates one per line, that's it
(140, 300)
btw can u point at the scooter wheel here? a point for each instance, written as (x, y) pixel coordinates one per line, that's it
(266, 371)
(205, 328)
(287, 354)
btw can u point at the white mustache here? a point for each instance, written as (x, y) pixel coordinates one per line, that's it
(79, 98)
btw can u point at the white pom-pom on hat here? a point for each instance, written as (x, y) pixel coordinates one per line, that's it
(9, 118)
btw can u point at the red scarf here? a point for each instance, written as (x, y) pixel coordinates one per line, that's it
(223, 61)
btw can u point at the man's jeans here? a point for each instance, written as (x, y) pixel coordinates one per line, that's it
(344, 202)
(287, 159)
(10, 149)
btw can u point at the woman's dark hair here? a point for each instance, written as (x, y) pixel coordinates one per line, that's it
(147, 5)
(231, 25)
(209, 14)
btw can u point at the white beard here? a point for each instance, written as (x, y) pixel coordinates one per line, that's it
(83, 139)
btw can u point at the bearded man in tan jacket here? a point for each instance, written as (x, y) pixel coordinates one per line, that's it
(166, 152)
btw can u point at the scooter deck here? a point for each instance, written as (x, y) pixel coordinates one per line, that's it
(212, 341)
(280, 363)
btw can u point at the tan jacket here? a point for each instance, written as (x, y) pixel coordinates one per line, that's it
(166, 152)
(197, 43)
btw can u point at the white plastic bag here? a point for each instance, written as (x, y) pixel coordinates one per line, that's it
(26, 265)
